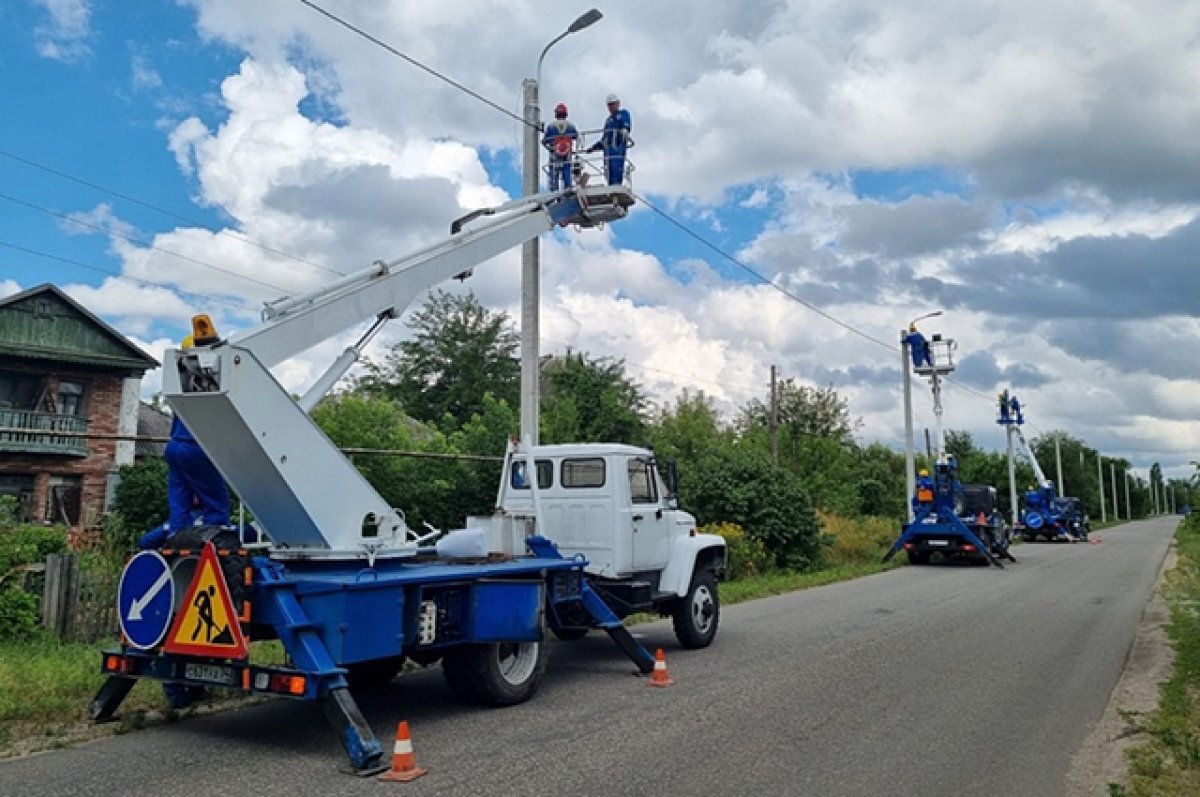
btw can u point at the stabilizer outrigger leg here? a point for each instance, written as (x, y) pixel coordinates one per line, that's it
(106, 702)
(602, 616)
(356, 736)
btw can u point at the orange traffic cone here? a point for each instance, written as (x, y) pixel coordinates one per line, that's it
(660, 677)
(404, 763)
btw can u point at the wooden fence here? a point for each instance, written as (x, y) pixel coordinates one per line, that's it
(78, 604)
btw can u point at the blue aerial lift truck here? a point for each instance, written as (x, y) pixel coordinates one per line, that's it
(1046, 513)
(347, 587)
(947, 519)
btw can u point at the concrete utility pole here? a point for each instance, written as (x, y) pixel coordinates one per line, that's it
(1100, 478)
(530, 274)
(1128, 505)
(530, 253)
(1112, 472)
(1062, 487)
(774, 419)
(910, 457)
(1012, 478)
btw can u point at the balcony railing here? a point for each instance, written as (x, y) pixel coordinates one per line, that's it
(32, 432)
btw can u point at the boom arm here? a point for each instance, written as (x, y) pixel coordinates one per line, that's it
(305, 494)
(1037, 469)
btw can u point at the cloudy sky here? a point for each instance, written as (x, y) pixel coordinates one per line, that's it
(1030, 168)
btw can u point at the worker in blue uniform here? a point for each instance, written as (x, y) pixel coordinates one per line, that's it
(918, 347)
(924, 494)
(560, 138)
(192, 478)
(1015, 407)
(614, 140)
(195, 489)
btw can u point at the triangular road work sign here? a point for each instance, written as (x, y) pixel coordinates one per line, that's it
(206, 624)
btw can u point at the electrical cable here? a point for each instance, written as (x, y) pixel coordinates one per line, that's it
(131, 239)
(116, 275)
(170, 213)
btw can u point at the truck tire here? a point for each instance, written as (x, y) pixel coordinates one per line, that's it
(363, 676)
(496, 673)
(918, 557)
(697, 614)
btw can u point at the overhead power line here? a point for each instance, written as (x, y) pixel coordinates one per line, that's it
(169, 213)
(79, 264)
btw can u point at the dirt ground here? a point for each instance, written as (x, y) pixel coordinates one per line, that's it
(1101, 759)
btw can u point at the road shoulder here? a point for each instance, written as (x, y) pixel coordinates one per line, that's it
(1101, 758)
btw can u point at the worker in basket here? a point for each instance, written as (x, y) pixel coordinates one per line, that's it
(918, 347)
(924, 494)
(614, 140)
(560, 138)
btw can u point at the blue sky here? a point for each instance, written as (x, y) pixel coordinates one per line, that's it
(841, 153)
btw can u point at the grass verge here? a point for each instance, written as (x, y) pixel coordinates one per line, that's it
(1168, 764)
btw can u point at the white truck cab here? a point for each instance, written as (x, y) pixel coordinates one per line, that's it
(611, 504)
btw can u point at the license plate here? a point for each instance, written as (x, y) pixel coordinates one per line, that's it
(942, 543)
(210, 673)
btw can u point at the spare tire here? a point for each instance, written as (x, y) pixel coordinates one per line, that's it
(233, 564)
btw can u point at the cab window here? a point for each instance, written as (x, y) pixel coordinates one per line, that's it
(642, 488)
(545, 474)
(583, 472)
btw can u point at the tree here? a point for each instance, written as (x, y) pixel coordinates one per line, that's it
(459, 351)
(589, 400)
(141, 494)
(688, 429)
(738, 484)
(804, 412)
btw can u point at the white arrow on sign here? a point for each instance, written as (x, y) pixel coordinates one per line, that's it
(135, 609)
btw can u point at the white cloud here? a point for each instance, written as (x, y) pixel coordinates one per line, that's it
(1058, 126)
(63, 36)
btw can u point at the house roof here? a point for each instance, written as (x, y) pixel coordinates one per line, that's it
(151, 422)
(45, 323)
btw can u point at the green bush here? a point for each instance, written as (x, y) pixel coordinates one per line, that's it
(740, 485)
(748, 557)
(25, 545)
(141, 495)
(18, 614)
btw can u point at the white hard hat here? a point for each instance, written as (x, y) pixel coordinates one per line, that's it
(612, 98)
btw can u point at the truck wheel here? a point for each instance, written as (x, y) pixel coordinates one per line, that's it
(496, 673)
(918, 557)
(374, 674)
(697, 614)
(569, 634)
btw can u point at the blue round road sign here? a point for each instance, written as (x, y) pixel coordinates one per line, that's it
(145, 599)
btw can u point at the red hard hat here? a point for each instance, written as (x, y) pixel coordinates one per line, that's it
(560, 109)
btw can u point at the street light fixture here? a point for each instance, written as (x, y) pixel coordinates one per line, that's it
(530, 276)
(934, 314)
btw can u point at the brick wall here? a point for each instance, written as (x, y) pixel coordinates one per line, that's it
(102, 406)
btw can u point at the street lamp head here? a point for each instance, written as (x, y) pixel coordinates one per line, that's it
(587, 18)
(934, 314)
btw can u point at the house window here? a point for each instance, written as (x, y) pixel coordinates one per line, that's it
(64, 500)
(583, 472)
(19, 487)
(19, 391)
(70, 399)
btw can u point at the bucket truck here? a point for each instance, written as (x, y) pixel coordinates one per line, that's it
(947, 519)
(1046, 514)
(345, 584)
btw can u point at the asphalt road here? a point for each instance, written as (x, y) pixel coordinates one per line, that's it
(921, 681)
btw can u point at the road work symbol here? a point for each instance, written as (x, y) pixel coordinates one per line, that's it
(206, 624)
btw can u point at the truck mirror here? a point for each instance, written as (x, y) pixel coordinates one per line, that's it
(672, 485)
